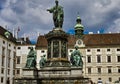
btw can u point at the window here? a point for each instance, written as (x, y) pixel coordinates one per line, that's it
(14, 60)
(109, 70)
(29, 47)
(18, 59)
(108, 50)
(108, 58)
(118, 49)
(3, 56)
(2, 79)
(118, 70)
(89, 59)
(9, 53)
(99, 70)
(19, 48)
(118, 58)
(98, 59)
(9, 45)
(14, 47)
(8, 71)
(2, 70)
(18, 71)
(42, 51)
(89, 70)
(3, 51)
(88, 50)
(3, 60)
(110, 79)
(98, 50)
(71, 50)
(13, 72)
(3, 42)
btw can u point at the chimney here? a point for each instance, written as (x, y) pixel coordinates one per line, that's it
(90, 32)
(98, 32)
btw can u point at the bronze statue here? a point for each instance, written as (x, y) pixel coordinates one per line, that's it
(58, 15)
(76, 58)
(42, 61)
(31, 59)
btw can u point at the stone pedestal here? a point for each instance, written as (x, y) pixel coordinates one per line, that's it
(57, 55)
(30, 73)
(62, 75)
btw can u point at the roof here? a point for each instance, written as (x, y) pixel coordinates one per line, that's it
(91, 40)
(2, 33)
(41, 42)
(102, 39)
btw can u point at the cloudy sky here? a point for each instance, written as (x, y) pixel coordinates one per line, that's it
(31, 15)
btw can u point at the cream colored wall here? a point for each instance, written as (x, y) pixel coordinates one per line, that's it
(104, 65)
(12, 49)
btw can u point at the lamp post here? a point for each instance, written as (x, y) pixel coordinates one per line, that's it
(7, 35)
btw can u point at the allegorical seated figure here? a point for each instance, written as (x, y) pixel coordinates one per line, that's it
(76, 58)
(31, 59)
(42, 61)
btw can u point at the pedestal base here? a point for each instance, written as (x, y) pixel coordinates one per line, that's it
(53, 75)
(62, 75)
(30, 73)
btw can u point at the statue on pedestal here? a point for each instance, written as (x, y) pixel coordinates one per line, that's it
(42, 61)
(58, 15)
(31, 59)
(76, 58)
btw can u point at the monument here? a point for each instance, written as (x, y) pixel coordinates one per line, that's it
(56, 69)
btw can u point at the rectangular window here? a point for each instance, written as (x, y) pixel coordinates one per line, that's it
(18, 47)
(3, 42)
(118, 49)
(13, 72)
(9, 45)
(118, 70)
(29, 47)
(2, 79)
(71, 50)
(9, 54)
(18, 71)
(14, 60)
(8, 71)
(98, 59)
(89, 70)
(109, 70)
(110, 79)
(118, 58)
(108, 58)
(89, 59)
(14, 47)
(88, 50)
(3, 51)
(3, 60)
(42, 51)
(99, 70)
(108, 50)
(3, 56)
(2, 70)
(98, 50)
(18, 59)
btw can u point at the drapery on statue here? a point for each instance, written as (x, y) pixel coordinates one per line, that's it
(58, 15)
(31, 59)
(76, 58)
(42, 61)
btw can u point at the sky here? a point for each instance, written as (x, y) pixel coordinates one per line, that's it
(32, 18)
